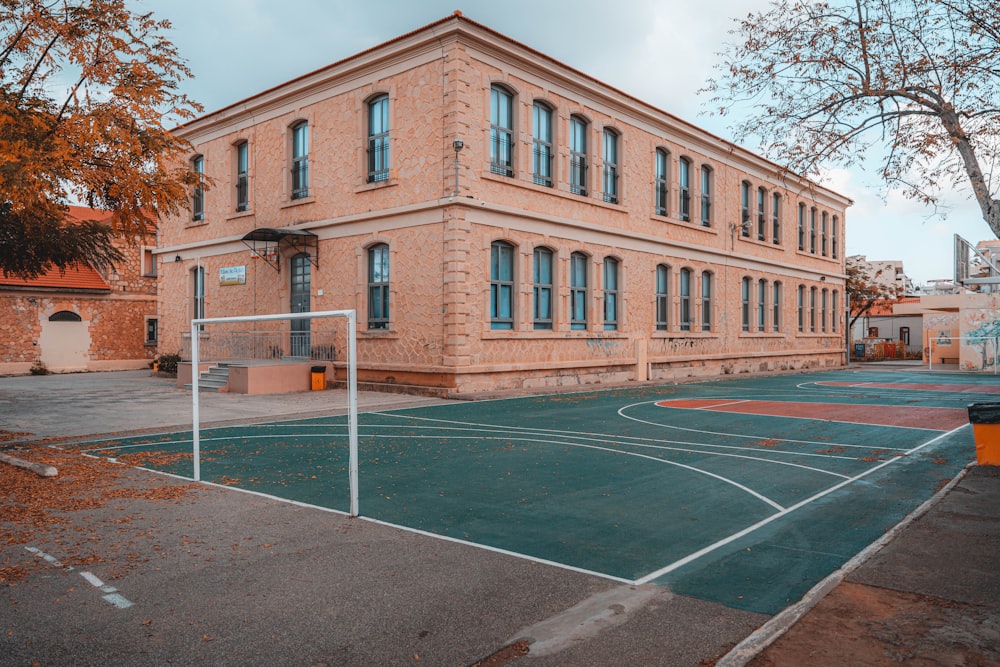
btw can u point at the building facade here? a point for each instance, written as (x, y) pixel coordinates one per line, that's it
(81, 319)
(500, 220)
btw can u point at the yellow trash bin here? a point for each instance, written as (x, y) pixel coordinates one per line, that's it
(318, 378)
(985, 420)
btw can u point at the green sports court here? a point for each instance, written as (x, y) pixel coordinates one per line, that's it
(745, 492)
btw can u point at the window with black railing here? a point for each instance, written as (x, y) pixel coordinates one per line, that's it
(684, 189)
(578, 155)
(501, 131)
(661, 188)
(378, 139)
(242, 177)
(198, 195)
(706, 197)
(541, 154)
(300, 161)
(610, 175)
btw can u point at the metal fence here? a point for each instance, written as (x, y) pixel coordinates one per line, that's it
(262, 345)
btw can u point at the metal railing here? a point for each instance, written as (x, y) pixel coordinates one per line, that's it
(318, 345)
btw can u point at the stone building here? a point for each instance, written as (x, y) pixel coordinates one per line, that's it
(81, 319)
(500, 220)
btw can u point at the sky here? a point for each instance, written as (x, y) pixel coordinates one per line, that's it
(660, 51)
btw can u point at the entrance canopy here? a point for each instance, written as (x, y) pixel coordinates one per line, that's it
(265, 243)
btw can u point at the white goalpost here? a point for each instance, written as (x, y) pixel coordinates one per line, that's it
(197, 326)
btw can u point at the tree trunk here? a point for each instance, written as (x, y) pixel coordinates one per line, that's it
(987, 203)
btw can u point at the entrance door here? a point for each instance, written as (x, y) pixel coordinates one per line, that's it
(300, 288)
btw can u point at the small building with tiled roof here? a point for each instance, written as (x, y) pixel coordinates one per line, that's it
(81, 319)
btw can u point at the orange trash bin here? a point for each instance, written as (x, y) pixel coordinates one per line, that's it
(985, 420)
(318, 378)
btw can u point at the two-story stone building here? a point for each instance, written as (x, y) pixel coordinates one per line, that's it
(501, 220)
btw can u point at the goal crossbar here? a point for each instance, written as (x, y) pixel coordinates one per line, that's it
(352, 382)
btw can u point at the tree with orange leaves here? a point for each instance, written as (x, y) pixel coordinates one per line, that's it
(87, 91)
(916, 80)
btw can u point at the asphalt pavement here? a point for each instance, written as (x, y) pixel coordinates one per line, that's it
(222, 577)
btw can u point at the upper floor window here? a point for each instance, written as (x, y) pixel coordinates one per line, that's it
(610, 175)
(610, 294)
(824, 231)
(744, 209)
(662, 188)
(834, 234)
(775, 218)
(578, 290)
(242, 176)
(300, 160)
(662, 297)
(378, 286)
(684, 191)
(198, 196)
(541, 157)
(706, 301)
(501, 131)
(706, 196)
(198, 294)
(148, 262)
(812, 230)
(501, 285)
(684, 288)
(543, 281)
(577, 155)
(378, 139)
(761, 219)
(802, 226)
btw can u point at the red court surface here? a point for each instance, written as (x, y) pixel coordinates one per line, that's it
(938, 419)
(950, 388)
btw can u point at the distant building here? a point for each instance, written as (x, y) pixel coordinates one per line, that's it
(500, 220)
(81, 319)
(887, 273)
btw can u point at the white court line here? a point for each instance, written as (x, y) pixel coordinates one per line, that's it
(749, 529)
(111, 594)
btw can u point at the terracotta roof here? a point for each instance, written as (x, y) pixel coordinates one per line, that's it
(75, 277)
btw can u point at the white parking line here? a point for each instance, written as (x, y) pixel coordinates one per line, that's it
(111, 594)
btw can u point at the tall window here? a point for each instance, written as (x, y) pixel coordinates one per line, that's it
(578, 290)
(776, 306)
(378, 139)
(744, 209)
(775, 218)
(835, 314)
(812, 230)
(662, 186)
(823, 235)
(706, 301)
(745, 301)
(761, 305)
(761, 220)
(610, 294)
(242, 176)
(610, 166)
(802, 226)
(802, 307)
(501, 285)
(684, 192)
(543, 288)
(706, 196)
(378, 287)
(501, 131)
(577, 155)
(835, 232)
(685, 299)
(198, 197)
(822, 316)
(300, 161)
(812, 310)
(541, 160)
(662, 297)
(198, 295)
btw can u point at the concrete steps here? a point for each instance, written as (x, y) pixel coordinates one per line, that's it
(214, 378)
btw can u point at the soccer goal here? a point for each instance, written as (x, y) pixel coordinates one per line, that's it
(976, 354)
(300, 339)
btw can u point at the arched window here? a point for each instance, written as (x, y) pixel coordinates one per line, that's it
(662, 297)
(578, 155)
(745, 304)
(501, 285)
(706, 301)
(242, 176)
(65, 316)
(300, 160)
(198, 196)
(662, 195)
(578, 290)
(378, 286)
(610, 170)
(501, 131)
(610, 294)
(706, 196)
(541, 157)
(543, 281)
(684, 288)
(378, 139)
